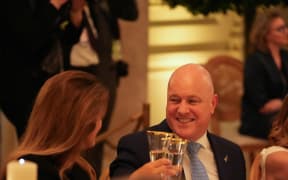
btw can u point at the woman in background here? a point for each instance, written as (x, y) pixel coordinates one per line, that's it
(265, 74)
(66, 117)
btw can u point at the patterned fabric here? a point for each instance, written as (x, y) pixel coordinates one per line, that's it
(197, 168)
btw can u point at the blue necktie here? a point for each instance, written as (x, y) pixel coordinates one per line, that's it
(197, 168)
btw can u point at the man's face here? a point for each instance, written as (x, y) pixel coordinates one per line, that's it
(190, 104)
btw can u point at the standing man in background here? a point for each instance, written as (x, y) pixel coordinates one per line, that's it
(31, 28)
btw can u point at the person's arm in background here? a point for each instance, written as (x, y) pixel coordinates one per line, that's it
(271, 106)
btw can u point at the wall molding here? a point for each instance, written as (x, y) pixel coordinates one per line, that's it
(206, 46)
(205, 21)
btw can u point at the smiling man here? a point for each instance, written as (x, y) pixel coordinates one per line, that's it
(191, 102)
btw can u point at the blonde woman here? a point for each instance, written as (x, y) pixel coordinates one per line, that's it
(65, 119)
(64, 122)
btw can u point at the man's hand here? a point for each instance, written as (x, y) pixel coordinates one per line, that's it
(154, 170)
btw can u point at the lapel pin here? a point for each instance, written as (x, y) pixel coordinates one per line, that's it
(226, 158)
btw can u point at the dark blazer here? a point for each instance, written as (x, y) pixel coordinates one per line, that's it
(47, 169)
(263, 81)
(133, 152)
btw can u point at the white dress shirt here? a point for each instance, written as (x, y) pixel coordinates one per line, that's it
(206, 156)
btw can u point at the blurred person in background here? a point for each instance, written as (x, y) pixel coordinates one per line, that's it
(31, 29)
(95, 53)
(265, 74)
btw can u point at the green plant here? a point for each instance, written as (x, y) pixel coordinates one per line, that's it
(210, 6)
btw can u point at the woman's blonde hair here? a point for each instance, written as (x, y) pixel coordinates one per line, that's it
(261, 28)
(279, 131)
(63, 116)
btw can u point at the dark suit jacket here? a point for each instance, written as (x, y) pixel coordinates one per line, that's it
(133, 152)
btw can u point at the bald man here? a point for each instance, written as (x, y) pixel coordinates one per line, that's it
(191, 102)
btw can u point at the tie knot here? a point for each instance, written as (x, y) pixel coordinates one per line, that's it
(193, 147)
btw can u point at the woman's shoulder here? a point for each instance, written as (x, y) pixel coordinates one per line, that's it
(276, 161)
(272, 149)
(272, 157)
(36, 157)
(47, 167)
(39, 159)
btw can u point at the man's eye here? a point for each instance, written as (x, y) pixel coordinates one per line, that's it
(193, 101)
(174, 100)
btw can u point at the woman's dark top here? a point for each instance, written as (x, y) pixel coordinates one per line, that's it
(47, 169)
(263, 81)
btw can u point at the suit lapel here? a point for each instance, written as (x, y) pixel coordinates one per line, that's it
(221, 156)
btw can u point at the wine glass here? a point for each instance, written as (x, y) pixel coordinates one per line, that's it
(174, 150)
(157, 141)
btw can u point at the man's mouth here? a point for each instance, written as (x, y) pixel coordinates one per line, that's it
(185, 120)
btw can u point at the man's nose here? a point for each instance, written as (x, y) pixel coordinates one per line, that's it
(183, 108)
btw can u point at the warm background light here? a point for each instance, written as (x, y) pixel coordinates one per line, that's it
(177, 37)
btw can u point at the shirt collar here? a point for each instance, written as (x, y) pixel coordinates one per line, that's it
(203, 140)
